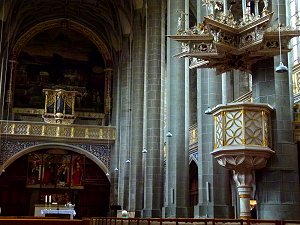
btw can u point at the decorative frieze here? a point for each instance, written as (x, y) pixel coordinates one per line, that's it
(9, 148)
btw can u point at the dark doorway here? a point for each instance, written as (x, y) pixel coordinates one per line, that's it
(193, 183)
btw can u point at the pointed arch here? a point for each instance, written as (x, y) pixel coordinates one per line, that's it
(55, 145)
(193, 158)
(67, 23)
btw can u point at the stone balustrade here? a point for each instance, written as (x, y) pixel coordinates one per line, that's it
(72, 133)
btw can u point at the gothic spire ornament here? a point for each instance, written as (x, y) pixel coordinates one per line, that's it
(230, 39)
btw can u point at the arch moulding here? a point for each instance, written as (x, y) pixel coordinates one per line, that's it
(62, 146)
(65, 23)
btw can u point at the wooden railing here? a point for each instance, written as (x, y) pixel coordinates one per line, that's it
(183, 221)
(247, 97)
(40, 221)
(138, 221)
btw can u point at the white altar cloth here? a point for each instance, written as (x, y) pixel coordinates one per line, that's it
(70, 212)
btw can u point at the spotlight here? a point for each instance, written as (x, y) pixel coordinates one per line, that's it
(128, 161)
(144, 150)
(107, 174)
(281, 68)
(169, 134)
(116, 169)
(208, 111)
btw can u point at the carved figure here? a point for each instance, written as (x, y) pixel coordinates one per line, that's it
(266, 4)
(181, 19)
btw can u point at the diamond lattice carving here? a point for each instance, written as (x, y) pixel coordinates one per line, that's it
(233, 128)
(242, 124)
(218, 131)
(253, 128)
(21, 128)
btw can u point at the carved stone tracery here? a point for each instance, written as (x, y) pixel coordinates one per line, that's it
(234, 44)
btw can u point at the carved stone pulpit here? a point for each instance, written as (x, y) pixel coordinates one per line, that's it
(242, 143)
(59, 106)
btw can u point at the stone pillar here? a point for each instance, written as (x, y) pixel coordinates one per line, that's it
(256, 7)
(107, 94)
(115, 155)
(214, 192)
(227, 87)
(154, 160)
(9, 93)
(124, 124)
(177, 158)
(278, 184)
(193, 97)
(244, 181)
(244, 8)
(136, 194)
(272, 88)
(240, 83)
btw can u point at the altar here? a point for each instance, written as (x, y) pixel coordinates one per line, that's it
(54, 210)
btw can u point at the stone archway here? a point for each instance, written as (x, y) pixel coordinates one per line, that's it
(62, 22)
(193, 192)
(19, 200)
(101, 100)
(73, 148)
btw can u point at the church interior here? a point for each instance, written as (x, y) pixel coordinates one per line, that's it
(150, 109)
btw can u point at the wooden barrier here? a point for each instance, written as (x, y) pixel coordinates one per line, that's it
(40, 221)
(15, 220)
(184, 221)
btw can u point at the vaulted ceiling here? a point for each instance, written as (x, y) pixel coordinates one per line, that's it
(109, 19)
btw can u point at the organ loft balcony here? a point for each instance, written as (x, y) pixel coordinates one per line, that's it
(59, 121)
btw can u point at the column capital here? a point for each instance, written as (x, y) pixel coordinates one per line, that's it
(244, 178)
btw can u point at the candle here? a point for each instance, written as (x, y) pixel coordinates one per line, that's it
(50, 199)
(46, 198)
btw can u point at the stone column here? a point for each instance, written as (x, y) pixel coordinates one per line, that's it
(154, 160)
(227, 87)
(214, 192)
(177, 158)
(244, 181)
(124, 124)
(115, 121)
(9, 93)
(136, 194)
(278, 184)
(240, 83)
(107, 94)
(256, 7)
(244, 7)
(272, 88)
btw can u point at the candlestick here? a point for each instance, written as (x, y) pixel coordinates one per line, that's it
(46, 198)
(50, 199)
